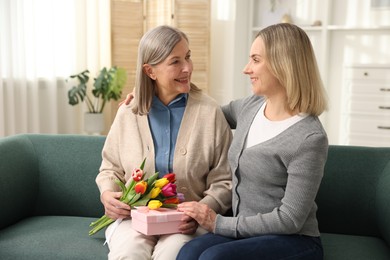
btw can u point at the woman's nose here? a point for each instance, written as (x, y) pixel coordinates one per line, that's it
(188, 67)
(246, 69)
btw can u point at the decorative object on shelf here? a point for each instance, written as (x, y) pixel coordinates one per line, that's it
(107, 85)
(273, 5)
(286, 18)
(277, 13)
(317, 23)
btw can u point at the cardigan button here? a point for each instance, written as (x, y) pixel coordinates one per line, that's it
(182, 151)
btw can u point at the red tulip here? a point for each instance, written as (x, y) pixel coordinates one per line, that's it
(140, 187)
(171, 177)
(171, 201)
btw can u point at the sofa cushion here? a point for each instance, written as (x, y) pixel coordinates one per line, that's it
(342, 247)
(52, 237)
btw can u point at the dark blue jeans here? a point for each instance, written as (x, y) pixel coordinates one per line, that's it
(215, 247)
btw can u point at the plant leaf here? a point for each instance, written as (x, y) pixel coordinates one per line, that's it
(77, 93)
(143, 164)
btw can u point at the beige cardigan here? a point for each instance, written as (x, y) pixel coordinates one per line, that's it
(200, 159)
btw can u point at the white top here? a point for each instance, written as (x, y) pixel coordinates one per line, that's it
(263, 129)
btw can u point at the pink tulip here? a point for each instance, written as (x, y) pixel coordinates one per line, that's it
(169, 190)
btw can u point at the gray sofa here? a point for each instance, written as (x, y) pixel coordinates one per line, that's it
(48, 197)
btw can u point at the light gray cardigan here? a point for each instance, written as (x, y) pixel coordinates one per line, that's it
(274, 182)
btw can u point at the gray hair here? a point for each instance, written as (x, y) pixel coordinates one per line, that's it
(154, 47)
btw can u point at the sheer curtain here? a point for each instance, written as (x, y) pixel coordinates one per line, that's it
(42, 43)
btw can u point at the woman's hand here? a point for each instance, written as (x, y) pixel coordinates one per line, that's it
(114, 208)
(202, 213)
(129, 97)
(188, 226)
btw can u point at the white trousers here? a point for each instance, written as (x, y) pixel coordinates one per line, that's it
(127, 243)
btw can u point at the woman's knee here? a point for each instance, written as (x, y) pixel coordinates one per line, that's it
(190, 251)
(214, 253)
(194, 248)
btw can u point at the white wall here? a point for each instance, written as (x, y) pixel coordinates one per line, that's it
(229, 50)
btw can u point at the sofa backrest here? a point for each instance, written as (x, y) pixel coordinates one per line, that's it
(354, 196)
(68, 166)
(49, 175)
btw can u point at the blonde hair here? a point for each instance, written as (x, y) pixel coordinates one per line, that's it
(291, 58)
(154, 47)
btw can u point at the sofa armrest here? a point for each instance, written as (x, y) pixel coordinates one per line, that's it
(383, 203)
(18, 179)
(349, 199)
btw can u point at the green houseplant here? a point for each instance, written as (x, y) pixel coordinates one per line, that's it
(107, 85)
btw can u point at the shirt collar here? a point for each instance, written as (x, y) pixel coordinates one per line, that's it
(180, 99)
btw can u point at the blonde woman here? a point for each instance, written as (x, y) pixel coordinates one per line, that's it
(177, 129)
(277, 158)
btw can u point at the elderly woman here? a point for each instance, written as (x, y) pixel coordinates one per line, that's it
(178, 129)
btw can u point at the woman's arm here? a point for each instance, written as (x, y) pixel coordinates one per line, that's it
(110, 170)
(234, 108)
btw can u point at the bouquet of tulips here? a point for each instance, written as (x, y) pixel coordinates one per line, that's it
(152, 192)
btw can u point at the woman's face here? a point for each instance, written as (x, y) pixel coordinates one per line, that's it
(173, 75)
(264, 83)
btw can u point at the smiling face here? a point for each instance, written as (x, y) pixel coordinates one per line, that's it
(264, 83)
(173, 75)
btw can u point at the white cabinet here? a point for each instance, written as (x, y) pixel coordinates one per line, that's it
(366, 116)
(342, 32)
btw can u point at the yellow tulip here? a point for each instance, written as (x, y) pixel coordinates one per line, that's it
(154, 204)
(154, 192)
(161, 182)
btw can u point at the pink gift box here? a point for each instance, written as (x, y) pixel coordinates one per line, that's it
(156, 222)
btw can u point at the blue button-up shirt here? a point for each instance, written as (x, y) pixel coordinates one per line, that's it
(165, 122)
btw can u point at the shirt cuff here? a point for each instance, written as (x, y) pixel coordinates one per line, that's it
(226, 226)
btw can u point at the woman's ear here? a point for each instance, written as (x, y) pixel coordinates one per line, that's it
(148, 70)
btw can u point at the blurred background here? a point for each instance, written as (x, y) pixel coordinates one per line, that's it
(43, 42)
